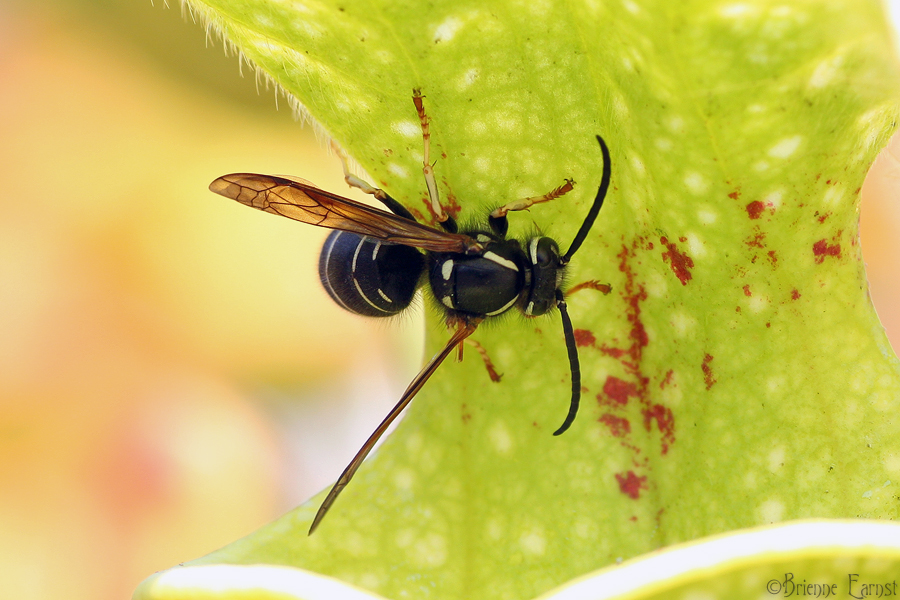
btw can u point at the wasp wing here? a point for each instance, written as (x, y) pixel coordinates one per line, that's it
(302, 201)
(465, 330)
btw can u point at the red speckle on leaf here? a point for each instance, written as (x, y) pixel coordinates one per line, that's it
(631, 484)
(618, 426)
(667, 380)
(583, 338)
(821, 249)
(619, 391)
(665, 422)
(735, 195)
(757, 240)
(466, 415)
(772, 258)
(418, 215)
(680, 262)
(768, 325)
(755, 209)
(613, 352)
(747, 291)
(708, 377)
(451, 205)
(737, 309)
(795, 295)
(822, 218)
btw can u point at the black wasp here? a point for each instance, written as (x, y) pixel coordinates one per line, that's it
(373, 263)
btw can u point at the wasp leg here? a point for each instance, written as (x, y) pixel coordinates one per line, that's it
(592, 284)
(489, 365)
(497, 218)
(382, 196)
(464, 328)
(441, 215)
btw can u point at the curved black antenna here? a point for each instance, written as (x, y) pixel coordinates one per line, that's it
(574, 366)
(598, 202)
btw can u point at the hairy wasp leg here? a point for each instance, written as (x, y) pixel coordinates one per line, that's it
(464, 328)
(497, 218)
(360, 184)
(442, 216)
(591, 284)
(488, 363)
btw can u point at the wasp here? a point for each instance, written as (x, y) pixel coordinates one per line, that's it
(373, 262)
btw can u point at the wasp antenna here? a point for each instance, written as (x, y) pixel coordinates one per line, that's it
(574, 366)
(598, 202)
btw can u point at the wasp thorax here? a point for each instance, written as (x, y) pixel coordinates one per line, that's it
(486, 284)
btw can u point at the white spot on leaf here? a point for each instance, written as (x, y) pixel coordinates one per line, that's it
(446, 30)
(773, 199)
(664, 144)
(707, 217)
(825, 71)
(533, 543)
(771, 511)
(468, 78)
(429, 552)
(786, 147)
(696, 183)
(398, 170)
(631, 7)
(500, 438)
(776, 459)
(734, 11)
(407, 128)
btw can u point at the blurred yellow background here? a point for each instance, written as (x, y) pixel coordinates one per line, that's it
(172, 376)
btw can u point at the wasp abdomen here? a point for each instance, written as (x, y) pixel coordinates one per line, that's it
(367, 276)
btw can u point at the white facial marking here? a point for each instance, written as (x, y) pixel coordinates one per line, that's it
(529, 309)
(482, 238)
(385, 296)
(447, 301)
(375, 251)
(447, 269)
(532, 250)
(500, 260)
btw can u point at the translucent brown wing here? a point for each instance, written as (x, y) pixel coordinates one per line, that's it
(304, 202)
(465, 330)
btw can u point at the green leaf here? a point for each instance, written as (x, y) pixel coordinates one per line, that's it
(736, 376)
(821, 559)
